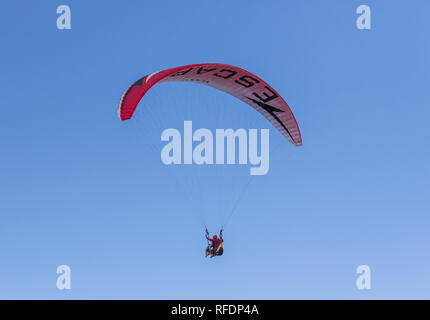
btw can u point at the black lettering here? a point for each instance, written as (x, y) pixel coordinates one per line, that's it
(230, 73)
(181, 73)
(243, 81)
(267, 97)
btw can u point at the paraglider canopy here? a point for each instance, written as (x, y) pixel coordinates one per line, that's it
(233, 80)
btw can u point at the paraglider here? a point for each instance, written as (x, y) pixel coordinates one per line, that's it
(236, 81)
(230, 79)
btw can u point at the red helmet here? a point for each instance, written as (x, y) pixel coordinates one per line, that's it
(215, 236)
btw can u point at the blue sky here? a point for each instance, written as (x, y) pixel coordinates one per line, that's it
(79, 187)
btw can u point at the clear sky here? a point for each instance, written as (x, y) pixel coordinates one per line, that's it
(79, 187)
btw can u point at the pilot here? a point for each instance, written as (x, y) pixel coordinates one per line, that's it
(215, 242)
